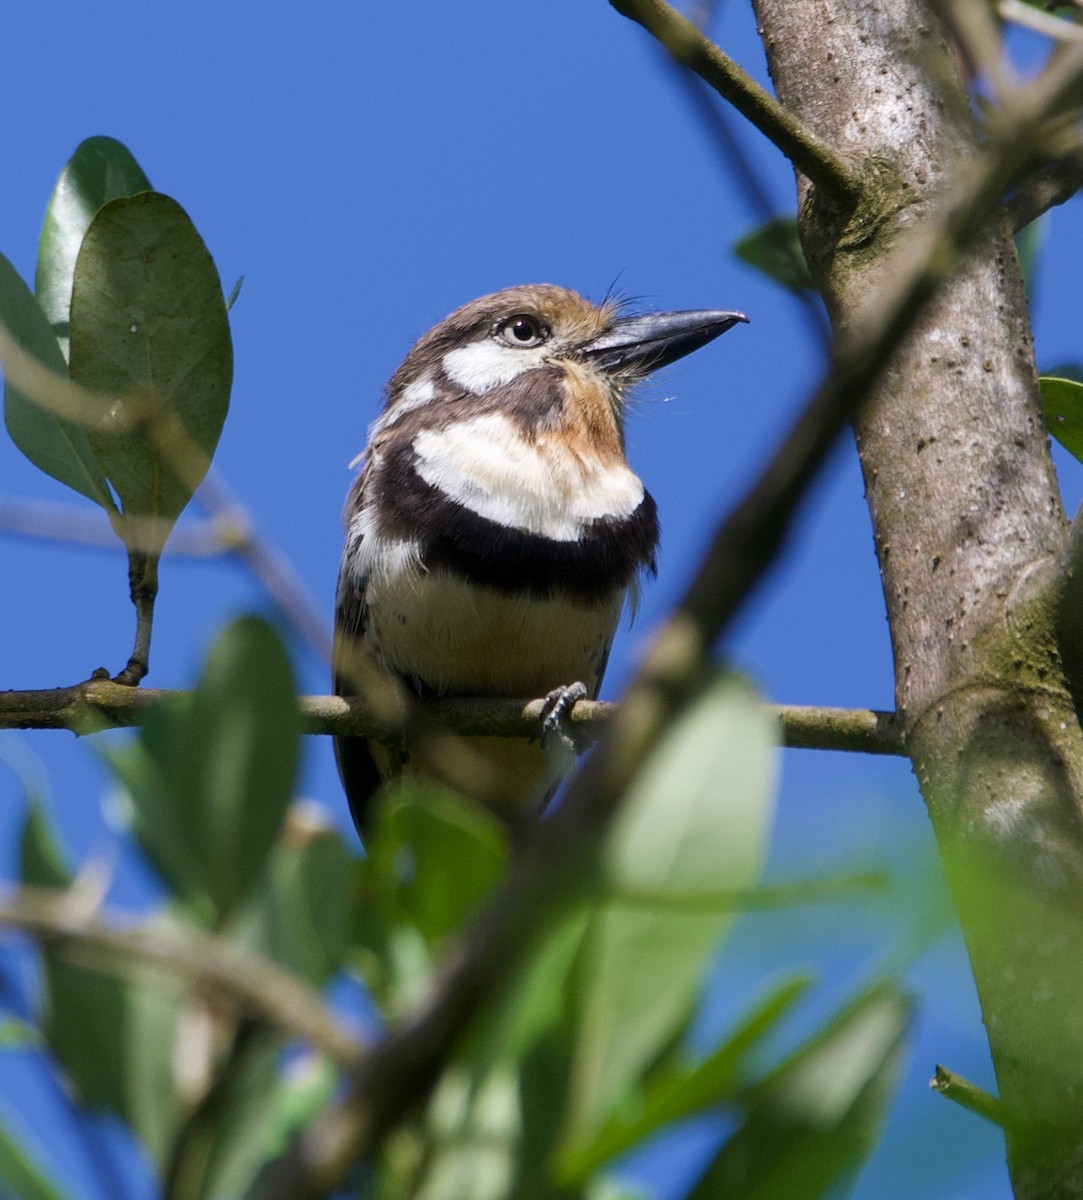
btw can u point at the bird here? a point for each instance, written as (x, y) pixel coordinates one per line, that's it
(495, 530)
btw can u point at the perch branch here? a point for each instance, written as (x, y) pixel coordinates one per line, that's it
(101, 703)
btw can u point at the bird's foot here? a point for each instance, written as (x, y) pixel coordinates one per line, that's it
(556, 730)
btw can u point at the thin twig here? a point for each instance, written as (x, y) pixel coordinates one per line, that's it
(690, 46)
(1039, 22)
(79, 525)
(115, 944)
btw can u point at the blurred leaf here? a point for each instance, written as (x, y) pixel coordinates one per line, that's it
(114, 1039)
(300, 914)
(17, 1034)
(775, 249)
(678, 1090)
(57, 446)
(433, 859)
(472, 1136)
(210, 778)
(1062, 400)
(699, 814)
(613, 1189)
(21, 1175)
(101, 169)
(1028, 246)
(149, 331)
(41, 861)
(815, 1119)
(256, 1109)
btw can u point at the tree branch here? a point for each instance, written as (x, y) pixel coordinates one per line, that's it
(690, 46)
(101, 703)
(116, 945)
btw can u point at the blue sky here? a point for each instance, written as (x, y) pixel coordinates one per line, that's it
(368, 168)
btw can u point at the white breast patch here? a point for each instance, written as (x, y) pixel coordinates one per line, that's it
(539, 487)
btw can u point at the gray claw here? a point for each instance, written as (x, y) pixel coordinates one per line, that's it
(558, 703)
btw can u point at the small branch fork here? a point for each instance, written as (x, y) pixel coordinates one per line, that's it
(104, 704)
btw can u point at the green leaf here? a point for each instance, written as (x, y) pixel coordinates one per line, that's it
(433, 859)
(775, 249)
(41, 861)
(16, 1034)
(114, 1039)
(210, 779)
(472, 1132)
(1062, 400)
(55, 445)
(680, 1089)
(697, 816)
(255, 1111)
(21, 1175)
(149, 331)
(815, 1119)
(101, 169)
(300, 914)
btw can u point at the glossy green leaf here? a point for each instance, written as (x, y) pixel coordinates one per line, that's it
(775, 250)
(57, 446)
(149, 330)
(814, 1120)
(210, 779)
(100, 170)
(21, 1174)
(1062, 400)
(300, 914)
(698, 817)
(680, 1089)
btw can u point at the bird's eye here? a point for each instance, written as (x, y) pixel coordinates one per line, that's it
(523, 330)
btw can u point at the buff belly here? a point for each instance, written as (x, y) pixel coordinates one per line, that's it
(460, 639)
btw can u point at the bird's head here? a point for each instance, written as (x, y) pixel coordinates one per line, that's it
(526, 345)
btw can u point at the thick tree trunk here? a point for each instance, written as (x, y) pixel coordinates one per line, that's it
(968, 527)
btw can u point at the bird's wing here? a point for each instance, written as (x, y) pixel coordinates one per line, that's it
(356, 766)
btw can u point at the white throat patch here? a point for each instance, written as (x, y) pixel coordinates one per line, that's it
(487, 466)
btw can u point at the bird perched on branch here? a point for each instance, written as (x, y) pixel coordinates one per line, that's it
(495, 529)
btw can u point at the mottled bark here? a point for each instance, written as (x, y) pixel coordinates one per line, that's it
(969, 528)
